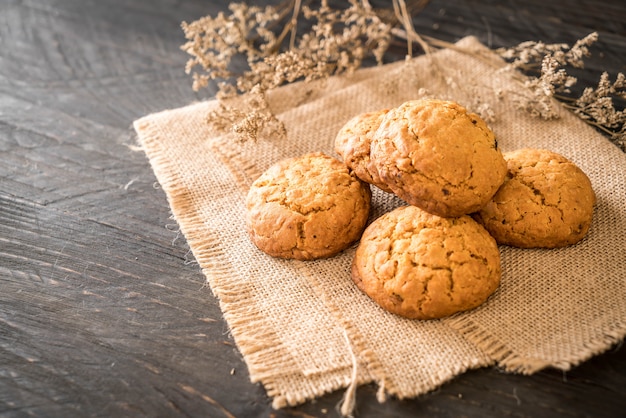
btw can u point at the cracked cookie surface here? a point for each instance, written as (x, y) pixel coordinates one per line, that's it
(306, 208)
(353, 142)
(423, 266)
(545, 202)
(436, 155)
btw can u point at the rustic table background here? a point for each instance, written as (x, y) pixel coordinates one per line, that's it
(103, 311)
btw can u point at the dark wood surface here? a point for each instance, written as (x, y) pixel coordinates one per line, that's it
(103, 311)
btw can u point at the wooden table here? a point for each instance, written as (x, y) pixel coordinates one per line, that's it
(103, 311)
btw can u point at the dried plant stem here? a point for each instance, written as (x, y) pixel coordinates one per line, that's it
(403, 16)
(294, 24)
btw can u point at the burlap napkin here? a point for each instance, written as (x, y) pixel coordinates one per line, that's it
(304, 329)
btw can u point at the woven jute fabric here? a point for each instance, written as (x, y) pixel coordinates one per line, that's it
(304, 329)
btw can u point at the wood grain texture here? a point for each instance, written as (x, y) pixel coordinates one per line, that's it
(103, 311)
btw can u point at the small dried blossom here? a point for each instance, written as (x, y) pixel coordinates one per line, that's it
(249, 120)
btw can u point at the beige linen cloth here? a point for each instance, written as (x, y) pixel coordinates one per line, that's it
(304, 329)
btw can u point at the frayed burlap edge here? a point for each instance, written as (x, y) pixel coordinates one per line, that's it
(255, 340)
(508, 360)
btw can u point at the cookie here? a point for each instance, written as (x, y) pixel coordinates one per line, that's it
(546, 202)
(352, 143)
(436, 155)
(307, 208)
(422, 266)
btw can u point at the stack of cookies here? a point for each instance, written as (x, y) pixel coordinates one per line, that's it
(438, 255)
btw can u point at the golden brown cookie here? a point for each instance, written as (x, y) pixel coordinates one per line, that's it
(353, 141)
(306, 208)
(545, 202)
(423, 266)
(436, 155)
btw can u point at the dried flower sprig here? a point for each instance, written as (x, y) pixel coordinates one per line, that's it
(545, 67)
(213, 42)
(249, 120)
(530, 54)
(597, 107)
(552, 79)
(338, 41)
